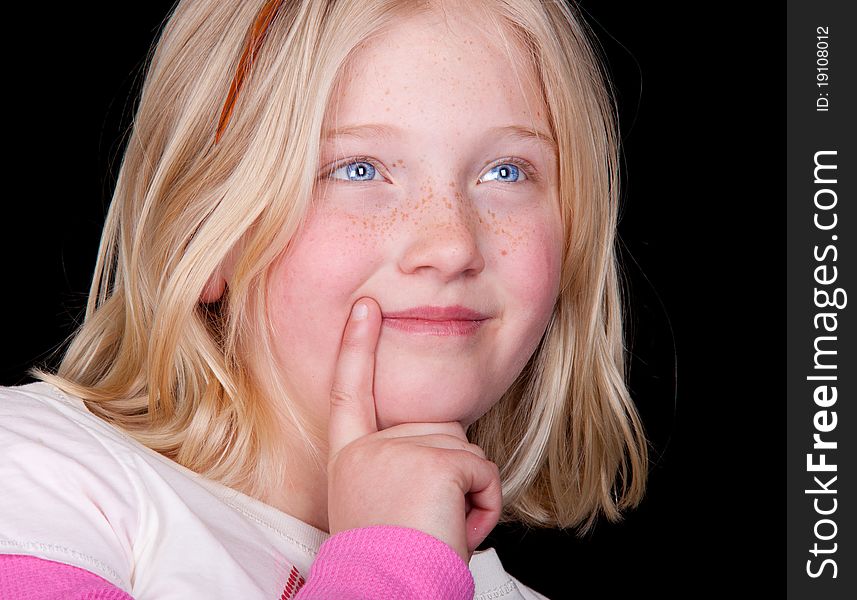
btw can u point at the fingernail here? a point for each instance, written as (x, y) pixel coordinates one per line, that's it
(360, 311)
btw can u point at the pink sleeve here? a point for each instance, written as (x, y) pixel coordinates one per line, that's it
(387, 562)
(32, 578)
(370, 562)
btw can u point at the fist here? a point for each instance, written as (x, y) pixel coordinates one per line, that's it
(425, 476)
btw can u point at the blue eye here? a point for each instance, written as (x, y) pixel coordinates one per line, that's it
(513, 170)
(507, 173)
(357, 170)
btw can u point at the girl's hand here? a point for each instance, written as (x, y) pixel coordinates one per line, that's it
(425, 476)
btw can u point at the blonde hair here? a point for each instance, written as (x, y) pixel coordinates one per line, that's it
(177, 374)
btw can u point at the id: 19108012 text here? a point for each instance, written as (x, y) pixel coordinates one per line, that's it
(822, 67)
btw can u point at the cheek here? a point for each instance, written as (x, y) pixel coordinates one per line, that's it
(530, 276)
(309, 292)
(326, 259)
(528, 260)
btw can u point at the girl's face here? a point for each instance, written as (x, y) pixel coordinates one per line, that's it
(431, 193)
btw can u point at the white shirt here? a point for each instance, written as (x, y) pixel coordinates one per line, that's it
(79, 491)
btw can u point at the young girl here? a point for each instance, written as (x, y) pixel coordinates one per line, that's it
(356, 301)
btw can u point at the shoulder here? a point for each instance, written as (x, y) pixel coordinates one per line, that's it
(43, 430)
(69, 491)
(84, 493)
(26, 406)
(492, 580)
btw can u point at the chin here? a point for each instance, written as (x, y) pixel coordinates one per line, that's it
(424, 402)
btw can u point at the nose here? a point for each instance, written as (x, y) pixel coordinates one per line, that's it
(444, 239)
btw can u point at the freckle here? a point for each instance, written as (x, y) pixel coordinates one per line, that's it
(387, 93)
(387, 109)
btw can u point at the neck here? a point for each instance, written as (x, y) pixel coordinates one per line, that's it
(303, 493)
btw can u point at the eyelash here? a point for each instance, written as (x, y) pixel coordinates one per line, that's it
(522, 164)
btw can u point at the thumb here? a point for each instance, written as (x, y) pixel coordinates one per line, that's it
(352, 404)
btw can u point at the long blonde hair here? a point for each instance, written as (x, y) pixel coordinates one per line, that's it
(175, 373)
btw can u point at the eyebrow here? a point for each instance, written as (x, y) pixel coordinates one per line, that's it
(387, 132)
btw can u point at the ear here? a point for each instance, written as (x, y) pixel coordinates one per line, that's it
(216, 284)
(214, 288)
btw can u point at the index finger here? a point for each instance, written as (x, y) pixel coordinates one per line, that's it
(352, 404)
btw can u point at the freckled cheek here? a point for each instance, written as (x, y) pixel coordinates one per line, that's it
(532, 266)
(310, 291)
(313, 289)
(333, 256)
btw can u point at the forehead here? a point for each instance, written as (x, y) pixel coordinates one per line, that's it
(439, 72)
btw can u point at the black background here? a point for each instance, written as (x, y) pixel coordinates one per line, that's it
(700, 91)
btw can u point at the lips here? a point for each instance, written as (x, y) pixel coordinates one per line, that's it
(437, 313)
(436, 320)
